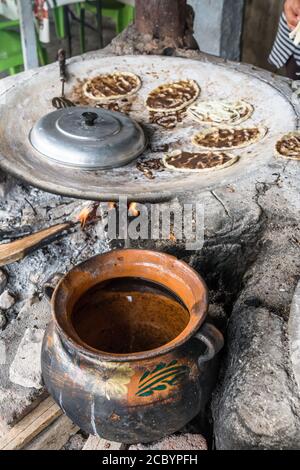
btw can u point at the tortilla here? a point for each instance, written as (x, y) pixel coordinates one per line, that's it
(224, 138)
(221, 112)
(112, 86)
(173, 96)
(289, 146)
(198, 161)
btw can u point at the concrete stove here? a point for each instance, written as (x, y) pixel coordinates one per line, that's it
(250, 258)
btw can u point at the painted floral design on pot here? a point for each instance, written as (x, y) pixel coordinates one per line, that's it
(113, 382)
(161, 377)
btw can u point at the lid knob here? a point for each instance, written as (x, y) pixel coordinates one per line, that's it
(89, 118)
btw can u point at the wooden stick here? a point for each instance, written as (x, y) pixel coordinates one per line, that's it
(30, 426)
(14, 251)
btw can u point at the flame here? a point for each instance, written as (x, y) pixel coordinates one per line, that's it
(172, 237)
(132, 210)
(87, 214)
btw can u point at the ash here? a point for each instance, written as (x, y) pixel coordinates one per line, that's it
(24, 210)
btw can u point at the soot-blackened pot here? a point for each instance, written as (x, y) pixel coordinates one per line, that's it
(138, 396)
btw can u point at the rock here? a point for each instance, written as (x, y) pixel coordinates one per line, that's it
(2, 320)
(3, 280)
(175, 442)
(25, 369)
(294, 335)
(6, 300)
(16, 401)
(28, 215)
(255, 406)
(2, 353)
(75, 442)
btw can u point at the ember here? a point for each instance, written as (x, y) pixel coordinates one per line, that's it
(132, 210)
(88, 214)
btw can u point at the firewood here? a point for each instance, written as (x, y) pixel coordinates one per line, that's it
(14, 251)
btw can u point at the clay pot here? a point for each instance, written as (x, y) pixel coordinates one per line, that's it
(119, 390)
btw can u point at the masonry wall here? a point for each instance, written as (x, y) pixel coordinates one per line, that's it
(222, 26)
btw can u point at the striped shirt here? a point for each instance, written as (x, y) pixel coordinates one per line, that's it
(283, 47)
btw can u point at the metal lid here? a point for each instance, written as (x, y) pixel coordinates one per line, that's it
(88, 138)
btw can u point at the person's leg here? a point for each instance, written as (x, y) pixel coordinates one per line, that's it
(292, 69)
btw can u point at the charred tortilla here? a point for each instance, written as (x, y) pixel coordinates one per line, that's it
(147, 167)
(112, 86)
(167, 120)
(221, 112)
(224, 138)
(174, 96)
(198, 161)
(289, 146)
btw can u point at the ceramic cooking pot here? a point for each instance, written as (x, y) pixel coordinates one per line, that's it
(123, 393)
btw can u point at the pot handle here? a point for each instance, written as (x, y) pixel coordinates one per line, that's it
(50, 284)
(212, 338)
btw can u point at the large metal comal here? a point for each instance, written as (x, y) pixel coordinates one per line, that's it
(218, 80)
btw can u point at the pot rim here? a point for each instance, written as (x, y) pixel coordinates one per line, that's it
(67, 332)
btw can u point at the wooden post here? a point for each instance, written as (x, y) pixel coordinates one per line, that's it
(28, 36)
(162, 19)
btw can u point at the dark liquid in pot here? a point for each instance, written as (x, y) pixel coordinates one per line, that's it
(128, 315)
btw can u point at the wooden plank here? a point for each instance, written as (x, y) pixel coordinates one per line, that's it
(29, 45)
(263, 18)
(97, 443)
(30, 426)
(55, 436)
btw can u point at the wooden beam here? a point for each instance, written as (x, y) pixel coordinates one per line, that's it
(28, 35)
(30, 426)
(55, 436)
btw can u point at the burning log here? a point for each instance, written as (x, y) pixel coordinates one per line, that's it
(17, 250)
(172, 237)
